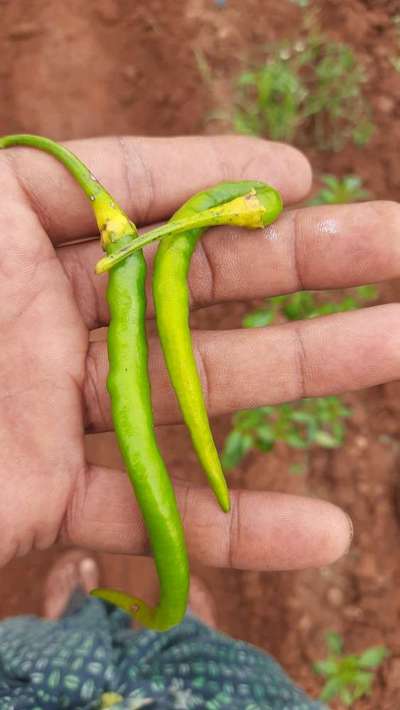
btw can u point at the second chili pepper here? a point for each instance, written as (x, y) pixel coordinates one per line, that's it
(171, 300)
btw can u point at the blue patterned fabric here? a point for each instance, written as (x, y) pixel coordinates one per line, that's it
(92, 659)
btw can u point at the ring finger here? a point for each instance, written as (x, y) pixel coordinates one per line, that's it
(251, 367)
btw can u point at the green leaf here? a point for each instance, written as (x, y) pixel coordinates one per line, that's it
(362, 683)
(299, 306)
(346, 696)
(265, 436)
(302, 417)
(247, 124)
(373, 657)
(264, 446)
(236, 447)
(369, 292)
(331, 688)
(334, 642)
(248, 78)
(250, 419)
(326, 668)
(258, 319)
(266, 409)
(340, 190)
(295, 440)
(347, 304)
(325, 439)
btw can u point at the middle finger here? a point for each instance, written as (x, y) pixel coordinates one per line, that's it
(247, 368)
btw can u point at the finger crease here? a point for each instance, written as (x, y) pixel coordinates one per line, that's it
(211, 279)
(131, 186)
(126, 173)
(69, 526)
(204, 376)
(297, 231)
(234, 528)
(29, 196)
(76, 272)
(92, 396)
(222, 168)
(185, 506)
(301, 359)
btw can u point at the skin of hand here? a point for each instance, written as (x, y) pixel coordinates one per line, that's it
(52, 378)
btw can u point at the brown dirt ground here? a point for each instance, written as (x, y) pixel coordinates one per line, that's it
(82, 69)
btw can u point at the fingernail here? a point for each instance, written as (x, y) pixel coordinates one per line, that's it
(89, 573)
(87, 565)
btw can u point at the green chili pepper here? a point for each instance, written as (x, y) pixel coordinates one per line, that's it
(129, 390)
(246, 203)
(171, 300)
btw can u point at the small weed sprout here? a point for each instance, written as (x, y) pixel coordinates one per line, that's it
(348, 677)
(307, 90)
(395, 60)
(343, 190)
(269, 101)
(307, 304)
(300, 425)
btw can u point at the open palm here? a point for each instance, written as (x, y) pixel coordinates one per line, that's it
(52, 378)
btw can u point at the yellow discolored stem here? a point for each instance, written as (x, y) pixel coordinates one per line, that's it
(251, 210)
(112, 221)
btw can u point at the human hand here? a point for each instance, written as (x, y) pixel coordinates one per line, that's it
(52, 379)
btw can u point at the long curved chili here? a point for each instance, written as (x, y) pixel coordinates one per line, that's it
(129, 388)
(172, 306)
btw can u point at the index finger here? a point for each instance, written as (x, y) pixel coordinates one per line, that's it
(149, 177)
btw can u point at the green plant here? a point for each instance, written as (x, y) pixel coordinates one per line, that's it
(307, 304)
(335, 190)
(300, 425)
(309, 88)
(269, 101)
(395, 60)
(348, 677)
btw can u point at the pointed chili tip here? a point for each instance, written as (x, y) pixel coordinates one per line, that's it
(225, 505)
(223, 497)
